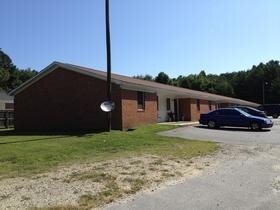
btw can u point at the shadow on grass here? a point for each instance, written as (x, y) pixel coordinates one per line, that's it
(32, 140)
(12, 132)
(46, 135)
(232, 129)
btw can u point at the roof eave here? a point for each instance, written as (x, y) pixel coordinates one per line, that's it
(133, 86)
(53, 66)
(29, 82)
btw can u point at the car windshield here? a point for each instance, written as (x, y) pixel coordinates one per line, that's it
(254, 109)
(244, 113)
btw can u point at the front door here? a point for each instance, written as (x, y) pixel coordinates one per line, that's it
(175, 110)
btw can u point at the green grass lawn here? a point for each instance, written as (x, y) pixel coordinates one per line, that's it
(25, 154)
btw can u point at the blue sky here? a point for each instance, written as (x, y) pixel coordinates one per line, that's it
(178, 37)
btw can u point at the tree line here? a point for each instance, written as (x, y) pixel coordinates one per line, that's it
(246, 84)
(11, 76)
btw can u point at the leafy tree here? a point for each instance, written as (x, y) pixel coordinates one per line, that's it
(224, 88)
(10, 76)
(162, 78)
(5, 67)
(274, 92)
(244, 84)
(144, 77)
(183, 82)
(4, 75)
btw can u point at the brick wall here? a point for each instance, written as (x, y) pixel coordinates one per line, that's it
(188, 107)
(133, 117)
(213, 106)
(195, 113)
(64, 100)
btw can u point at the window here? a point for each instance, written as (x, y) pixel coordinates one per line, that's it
(198, 104)
(140, 100)
(9, 106)
(168, 103)
(210, 105)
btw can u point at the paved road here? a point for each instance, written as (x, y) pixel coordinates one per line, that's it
(229, 135)
(247, 177)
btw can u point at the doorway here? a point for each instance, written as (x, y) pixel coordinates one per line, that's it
(175, 110)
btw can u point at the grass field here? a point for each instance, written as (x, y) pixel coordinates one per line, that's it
(25, 154)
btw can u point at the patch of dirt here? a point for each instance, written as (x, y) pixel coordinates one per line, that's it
(94, 185)
(276, 184)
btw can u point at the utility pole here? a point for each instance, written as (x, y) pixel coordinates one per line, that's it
(108, 49)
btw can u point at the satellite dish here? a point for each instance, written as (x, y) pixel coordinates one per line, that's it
(107, 106)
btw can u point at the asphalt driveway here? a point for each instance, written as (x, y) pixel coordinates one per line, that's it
(229, 135)
(246, 175)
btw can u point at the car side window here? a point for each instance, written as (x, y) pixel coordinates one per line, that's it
(249, 111)
(218, 112)
(236, 113)
(231, 112)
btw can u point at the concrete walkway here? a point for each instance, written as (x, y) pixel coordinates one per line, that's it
(180, 123)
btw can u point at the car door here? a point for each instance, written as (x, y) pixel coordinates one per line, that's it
(218, 116)
(222, 117)
(239, 119)
(229, 117)
(233, 117)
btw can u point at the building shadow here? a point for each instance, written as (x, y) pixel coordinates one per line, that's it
(239, 129)
(32, 140)
(42, 136)
(12, 132)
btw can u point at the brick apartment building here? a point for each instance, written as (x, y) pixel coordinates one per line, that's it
(67, 97)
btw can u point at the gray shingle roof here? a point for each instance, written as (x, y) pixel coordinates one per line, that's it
(132, 81)
(193, 93)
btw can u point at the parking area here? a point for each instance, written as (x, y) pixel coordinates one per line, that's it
(244, 174)
(229, 135)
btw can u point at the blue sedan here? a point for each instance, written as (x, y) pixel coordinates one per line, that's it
(234, 117)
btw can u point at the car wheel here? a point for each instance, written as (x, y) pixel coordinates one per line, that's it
(275, 116)
(255, 126)
(212, 124)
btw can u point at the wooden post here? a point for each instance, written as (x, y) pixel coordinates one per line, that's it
(6, 121)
